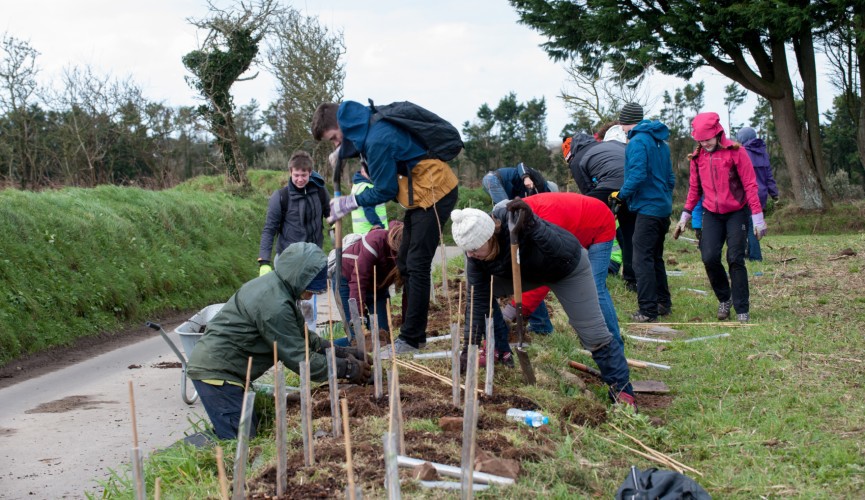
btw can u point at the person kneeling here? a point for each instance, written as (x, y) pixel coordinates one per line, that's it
(263, 311)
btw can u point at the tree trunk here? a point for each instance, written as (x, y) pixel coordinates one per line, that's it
(806, 188)
(812, 142)
(859, 23)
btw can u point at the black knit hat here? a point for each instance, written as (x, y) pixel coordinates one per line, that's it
(632, 113)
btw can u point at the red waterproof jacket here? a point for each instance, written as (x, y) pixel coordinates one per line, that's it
(587, 218)
(724, 177)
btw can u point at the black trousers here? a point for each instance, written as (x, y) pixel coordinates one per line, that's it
(648, 260)
(731, 228)
(420, 238)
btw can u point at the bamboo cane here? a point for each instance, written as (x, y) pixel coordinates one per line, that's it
(220, 469)
(348, 462)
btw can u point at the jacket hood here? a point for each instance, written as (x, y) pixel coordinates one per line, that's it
(746, 134)
(616, 133)
(656, 129)
(316, 179)
(581, 141)
(298, 265)
(353, 120)
(358, 178)
(705, 126)
(755, 145)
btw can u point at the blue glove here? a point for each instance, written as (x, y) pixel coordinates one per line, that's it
(340, 207)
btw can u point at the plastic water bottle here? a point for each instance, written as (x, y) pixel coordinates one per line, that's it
(528, 417)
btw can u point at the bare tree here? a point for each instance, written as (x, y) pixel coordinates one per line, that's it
(306, 59)
(227, 52)
(600, 93)
(18, 85)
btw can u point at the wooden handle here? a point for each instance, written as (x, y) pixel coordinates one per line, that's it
(515, 270)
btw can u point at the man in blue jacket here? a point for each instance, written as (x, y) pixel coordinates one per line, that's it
(399, 167)
(648, 191)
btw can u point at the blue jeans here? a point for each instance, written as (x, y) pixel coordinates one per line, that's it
(223, 404)
(599, 258)
(539, 320)
(493, 186)
(753, 251)
(380, 308)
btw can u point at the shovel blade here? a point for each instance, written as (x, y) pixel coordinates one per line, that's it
(526, 366)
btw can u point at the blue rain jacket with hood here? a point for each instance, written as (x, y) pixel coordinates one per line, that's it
(649, 178)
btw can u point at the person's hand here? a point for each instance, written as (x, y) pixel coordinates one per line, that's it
(759, 225)
(510, 312)
(527, 182)
(340, 207)
(521, 211)
(680, 227)
(354, 352)
(775, 198)
(264, 267)
(614, 202)
(356, 372)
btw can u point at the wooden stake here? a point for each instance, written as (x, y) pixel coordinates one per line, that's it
(157, 488)
(137, 462)
(220, 469)
(348, 463)
(469, 423)
(335, 417)
(280, 434)
(248, 374)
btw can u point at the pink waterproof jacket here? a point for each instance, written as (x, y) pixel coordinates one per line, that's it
(725, 177)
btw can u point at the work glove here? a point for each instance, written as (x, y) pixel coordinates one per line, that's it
(264, 267)
(356, 372)
(775, 198)
(759, 225)
(516, 206)
(340, 207)
(510, 312)
(680, 227)
(344, 352)
(614, 202)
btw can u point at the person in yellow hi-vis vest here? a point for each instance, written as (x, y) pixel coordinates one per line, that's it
(365, 219)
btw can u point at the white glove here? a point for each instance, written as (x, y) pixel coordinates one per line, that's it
(680, 227)
(759, 225)
(510, 312)
(340, 207)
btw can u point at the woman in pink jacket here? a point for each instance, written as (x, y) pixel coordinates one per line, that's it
(721, 173)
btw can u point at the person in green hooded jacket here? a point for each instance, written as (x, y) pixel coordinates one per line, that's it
(266, 310)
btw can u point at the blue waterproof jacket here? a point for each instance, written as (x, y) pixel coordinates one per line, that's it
(649, 178)
(386, 148)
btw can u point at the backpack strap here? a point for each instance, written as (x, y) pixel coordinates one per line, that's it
(283, 202)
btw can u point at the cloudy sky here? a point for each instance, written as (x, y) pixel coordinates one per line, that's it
(450, 56)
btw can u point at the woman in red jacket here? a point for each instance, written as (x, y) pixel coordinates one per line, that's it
(722, 173)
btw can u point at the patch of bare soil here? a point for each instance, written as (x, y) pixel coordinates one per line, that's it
(167, 364)
(584, 412)
(647, 402)
(82, 349)
(69, 403)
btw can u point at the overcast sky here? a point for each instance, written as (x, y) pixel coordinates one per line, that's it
(450, 56)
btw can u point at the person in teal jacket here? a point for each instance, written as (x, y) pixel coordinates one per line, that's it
(265, 310)
(648, 191)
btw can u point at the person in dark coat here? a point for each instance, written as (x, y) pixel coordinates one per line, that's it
(510, 182)
(766, 187)
(548, 255)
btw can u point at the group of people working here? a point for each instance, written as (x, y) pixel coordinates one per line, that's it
(565, 242)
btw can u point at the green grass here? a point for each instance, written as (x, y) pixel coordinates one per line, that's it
(773, 410)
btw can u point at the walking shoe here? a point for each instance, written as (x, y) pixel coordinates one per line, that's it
(631, 286)
(623, 398)
(400, 346)
(724, 309)
(743, 317)
(639, 317)
(664, 310)
(505, 358)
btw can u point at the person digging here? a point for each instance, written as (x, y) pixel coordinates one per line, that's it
(549, 256)
(263, 311)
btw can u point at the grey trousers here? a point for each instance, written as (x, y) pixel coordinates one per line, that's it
(578, 296)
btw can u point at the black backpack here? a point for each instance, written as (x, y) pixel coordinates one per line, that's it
(654, 484)
(441, 139)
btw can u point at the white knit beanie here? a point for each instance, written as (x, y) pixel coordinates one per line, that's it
(471, 228)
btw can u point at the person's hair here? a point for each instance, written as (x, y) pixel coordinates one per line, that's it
(324, 119)
(494, 242)
(300, 160)
(602, 132)
(394, 240)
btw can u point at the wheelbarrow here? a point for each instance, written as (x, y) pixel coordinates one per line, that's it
(189, 332)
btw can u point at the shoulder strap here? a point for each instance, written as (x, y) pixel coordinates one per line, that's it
(283, 205)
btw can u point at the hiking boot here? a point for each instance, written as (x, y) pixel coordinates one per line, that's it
(631, 286)
(624, 398)
(401, 347)
(505, 358)
(664, 310)
(724, 309)
(639, 317)
(743, 317)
